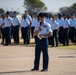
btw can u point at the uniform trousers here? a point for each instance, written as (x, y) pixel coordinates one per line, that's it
(71, 34)
(60, 34)
(75, 35)
(2, 31)
(41, 45)
(32, 30)
(6, 31)
(25, 35)
(55, 35)
(16, 34)
(65, 36)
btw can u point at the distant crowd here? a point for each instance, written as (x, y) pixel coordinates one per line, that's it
(62, 25)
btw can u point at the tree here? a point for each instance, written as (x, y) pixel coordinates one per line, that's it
(68, 10)
(1, 10)
(34, 5)
(74, 6)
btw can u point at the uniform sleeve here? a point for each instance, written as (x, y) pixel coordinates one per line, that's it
(29, 18)
(68, 22)
(11, 20)
(49, 29)
(28, 22)
(62, 23)
(32, 23)
(35, 29)
(57, 24)
(19, 20)
(1, 22)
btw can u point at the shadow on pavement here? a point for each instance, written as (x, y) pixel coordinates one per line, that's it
(15, 72)
(66, 56)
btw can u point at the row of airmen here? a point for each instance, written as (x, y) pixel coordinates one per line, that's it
(10, 27)
(63, 28)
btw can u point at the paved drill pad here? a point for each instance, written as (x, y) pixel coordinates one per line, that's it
(18, 60)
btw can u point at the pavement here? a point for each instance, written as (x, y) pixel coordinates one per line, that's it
(19, 60)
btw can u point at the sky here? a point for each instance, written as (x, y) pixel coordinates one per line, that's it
(52, 5)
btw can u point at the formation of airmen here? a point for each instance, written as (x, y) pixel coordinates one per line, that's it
(63, 27)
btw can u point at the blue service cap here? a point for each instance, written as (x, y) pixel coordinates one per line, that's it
(14, 12)
(35, 13)
(7, 12)
(59, 14)
(2, 14)
(64, 14)
(72, 14)
(41, 15)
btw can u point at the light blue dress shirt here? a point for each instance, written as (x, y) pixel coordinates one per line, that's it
(65, 23)
(75, 24)
(59, 22)
(1, 21)
(16, 21)
(28, 17)
(72, 22)
(25, 23)
(54, 25)
(46, 29)
(7, 22)
(35, 23)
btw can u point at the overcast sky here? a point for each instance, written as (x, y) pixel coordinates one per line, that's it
(52, 5)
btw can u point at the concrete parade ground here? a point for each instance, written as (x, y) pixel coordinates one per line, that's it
(19, 60)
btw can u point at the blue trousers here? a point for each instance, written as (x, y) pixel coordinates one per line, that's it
(55, 35)
(25, 35)
(75, 35)
(66, 36)
(16, 34)
(71, 34)
(3, 35)
(60, 34)
(7, 35)
(32, 31)
(41, 45)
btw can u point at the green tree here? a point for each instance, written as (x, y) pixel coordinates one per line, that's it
(74, 6)
(1, 10)
(34, 5)
(68, 10)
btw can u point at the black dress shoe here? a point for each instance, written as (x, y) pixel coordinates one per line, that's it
(5, 44)
(34, 69)
(44, 70)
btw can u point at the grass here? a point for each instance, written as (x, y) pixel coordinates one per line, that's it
(71, 47)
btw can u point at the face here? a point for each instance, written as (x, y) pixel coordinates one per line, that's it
(15, 14)
(35, 16)
(53, 19)
(39, 18)
(64, 17)
(23, 17)
(73, 17)
(26, 13)
(42, 19)
(56, 17)
(3, 17)
(7, 15)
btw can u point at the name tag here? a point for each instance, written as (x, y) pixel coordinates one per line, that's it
(45, 26)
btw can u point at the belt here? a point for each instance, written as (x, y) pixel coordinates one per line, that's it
(41, 38)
